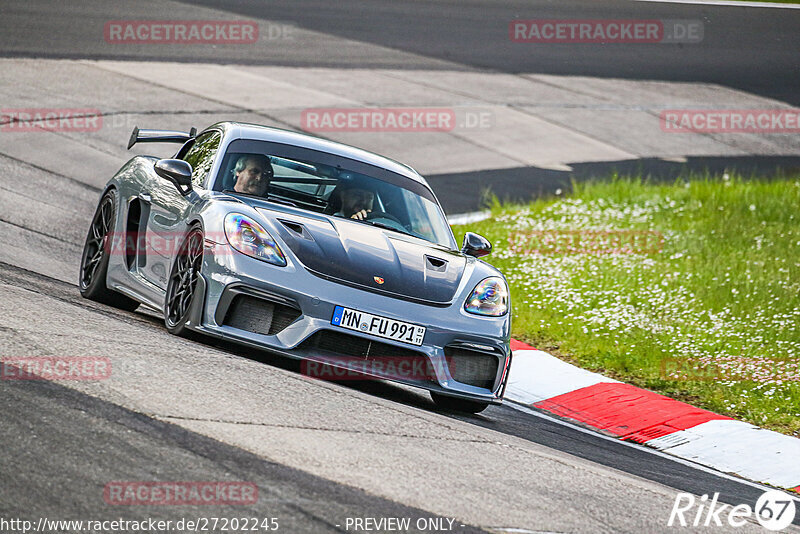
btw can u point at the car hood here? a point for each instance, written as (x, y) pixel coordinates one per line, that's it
(372, 258)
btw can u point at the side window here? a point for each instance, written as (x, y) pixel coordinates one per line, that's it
(184, 149)
(201, 156)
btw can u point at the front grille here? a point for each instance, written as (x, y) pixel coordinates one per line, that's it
(259, 316)
(471, 367)
(357, 347)
(398, 362)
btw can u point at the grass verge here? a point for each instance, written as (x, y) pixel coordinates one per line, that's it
(690, 289)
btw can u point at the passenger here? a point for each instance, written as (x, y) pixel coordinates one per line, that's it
(356, 202)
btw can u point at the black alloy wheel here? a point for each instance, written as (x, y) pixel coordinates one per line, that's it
(97, 251)
(183, 282)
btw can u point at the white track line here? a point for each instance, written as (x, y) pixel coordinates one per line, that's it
(636, 446)
(536, 375)
(728, 3)
(469, 218)
(735, 446)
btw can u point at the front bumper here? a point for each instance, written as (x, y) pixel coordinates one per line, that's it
(456, 344)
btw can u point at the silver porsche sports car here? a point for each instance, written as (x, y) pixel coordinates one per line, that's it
(308, 248)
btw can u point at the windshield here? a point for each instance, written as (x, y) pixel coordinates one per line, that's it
(333, 185)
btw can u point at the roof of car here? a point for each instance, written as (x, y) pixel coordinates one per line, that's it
(242, 130)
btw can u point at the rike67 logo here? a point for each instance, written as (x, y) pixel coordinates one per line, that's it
(774, 510)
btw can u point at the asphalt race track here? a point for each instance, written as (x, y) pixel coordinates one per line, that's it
(310, 443)
(321, 453)
(751, 49)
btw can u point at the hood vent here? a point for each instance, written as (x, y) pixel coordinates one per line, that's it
(296, 228)
(435, 264)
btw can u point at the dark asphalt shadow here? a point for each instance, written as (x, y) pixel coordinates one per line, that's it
(62, 447)
(747, 48)
(457, 191)
(752, 49)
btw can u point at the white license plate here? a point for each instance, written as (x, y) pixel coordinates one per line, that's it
(378, 326)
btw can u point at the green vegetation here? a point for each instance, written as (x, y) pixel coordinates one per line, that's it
(710, 316)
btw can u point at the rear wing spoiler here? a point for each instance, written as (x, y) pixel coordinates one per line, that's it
(159, 136)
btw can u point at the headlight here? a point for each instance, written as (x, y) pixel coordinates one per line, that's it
(247, 236)
(490, 297)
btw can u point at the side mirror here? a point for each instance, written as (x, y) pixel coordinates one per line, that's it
(476, 245)
(176, 171)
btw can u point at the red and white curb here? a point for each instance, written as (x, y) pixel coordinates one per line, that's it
(544, 382)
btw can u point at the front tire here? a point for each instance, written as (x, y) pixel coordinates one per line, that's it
(182, 285)
(97, 253)
(454, 404)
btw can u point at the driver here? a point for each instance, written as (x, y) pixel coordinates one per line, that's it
(252, 174)
(356, 203)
